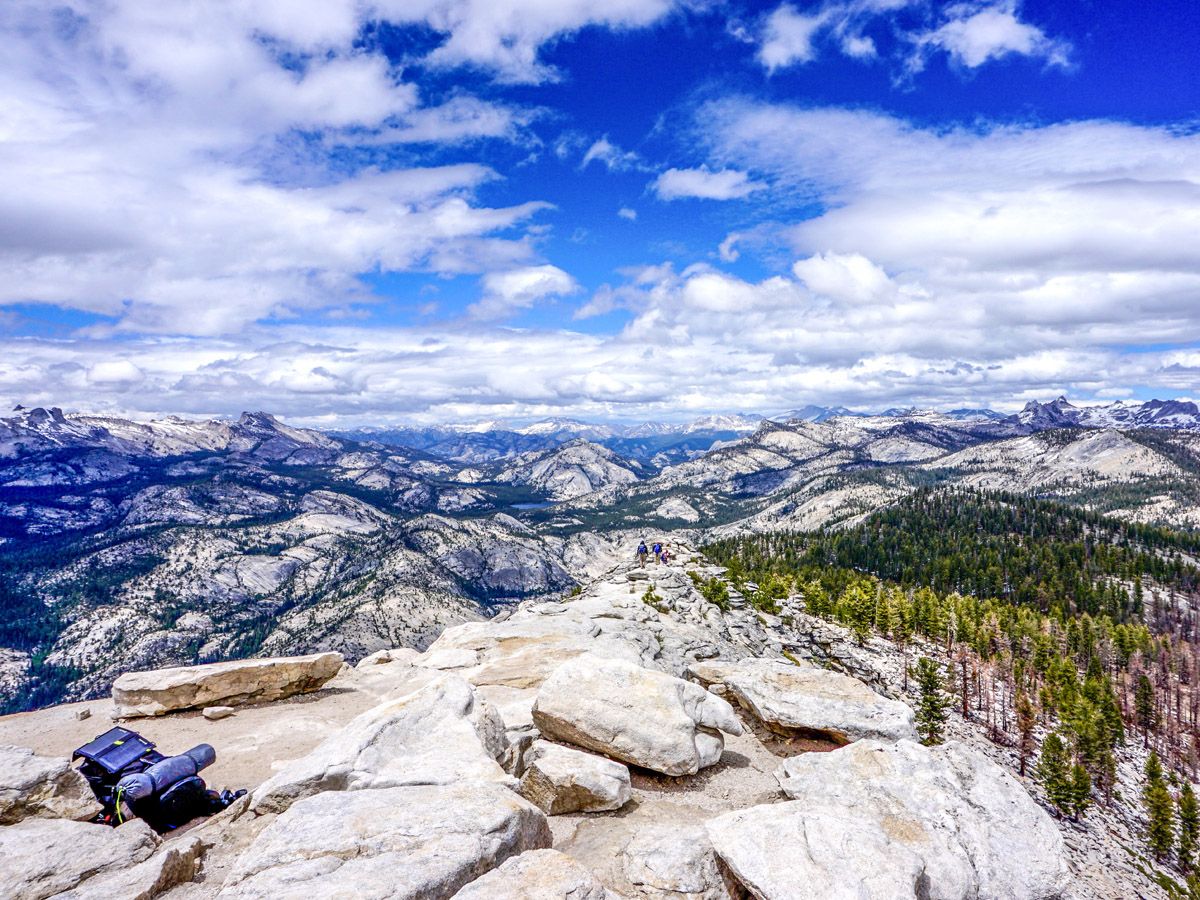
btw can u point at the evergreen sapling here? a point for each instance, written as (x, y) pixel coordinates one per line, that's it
(1160, 829)
(1055, 774)
(1189, 826)
(931, 707)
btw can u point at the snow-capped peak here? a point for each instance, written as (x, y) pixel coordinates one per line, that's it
(558, 425)
(733, 422)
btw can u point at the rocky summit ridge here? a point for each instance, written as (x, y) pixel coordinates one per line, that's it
(631, 740)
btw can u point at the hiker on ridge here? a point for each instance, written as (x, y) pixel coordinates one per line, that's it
(641, 554)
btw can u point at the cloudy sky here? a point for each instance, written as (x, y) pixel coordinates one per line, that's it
(371, 211)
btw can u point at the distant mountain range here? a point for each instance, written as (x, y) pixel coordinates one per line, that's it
(661, 443)
(140, 544)
(654, 443)
(1061, 413)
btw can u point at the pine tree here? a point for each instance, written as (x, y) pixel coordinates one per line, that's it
(1053, 772)
(1108, 777)
(1026, 719)
(931, 707)
(883, 611)
(1160, 832)
(962, 656)
(901, 627)
(1189, 826)
(816, 601)
(1144, 709)
(898, 617)
(858, 610)
(1081, 790)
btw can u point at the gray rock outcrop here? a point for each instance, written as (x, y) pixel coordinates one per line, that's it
(833, 646)
(562, 779)
(523, 652)
(538, 875)
(405, 655)
(676, 862)
(161, 691)
(42, 786)
(421, 842)
(878, 821)
(438, 734)
(636, 715)
(42, 858)
(176, 862)
(805, 699)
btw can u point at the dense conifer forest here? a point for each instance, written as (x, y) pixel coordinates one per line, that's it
(1064, 633)
(1056, 558)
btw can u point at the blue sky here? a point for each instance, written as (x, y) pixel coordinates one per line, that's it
(452, 210)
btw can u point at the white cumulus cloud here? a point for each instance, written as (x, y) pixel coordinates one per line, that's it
(506, 292)
(973, 35)
(506, 36)
(610, 155)
(114, 372)
(172, 168)
(725, 184)
(788, 35)
(1020, 238)
(181, 167)
(849, 278)
(151, 170)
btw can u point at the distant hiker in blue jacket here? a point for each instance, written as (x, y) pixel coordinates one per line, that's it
(641, 554)
(657, 552)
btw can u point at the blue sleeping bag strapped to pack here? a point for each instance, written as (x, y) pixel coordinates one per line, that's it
(166, 773)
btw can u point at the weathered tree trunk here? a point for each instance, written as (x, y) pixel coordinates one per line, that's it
(966, 701)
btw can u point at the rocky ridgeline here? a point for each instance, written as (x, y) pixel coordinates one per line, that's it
(615, 745)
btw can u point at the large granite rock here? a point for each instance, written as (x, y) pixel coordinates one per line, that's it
(447, 658)
(42, 786)
(562, 779)
(44, 857)
(879, 821)
(538, 875)
(439, 734)
(404, 655)
(636, 715)
(422, 842)
(161, 691)
(676, 862)
(805, 699)
(507, 660)
(833, 646)
(523, 652)
(176, 862)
